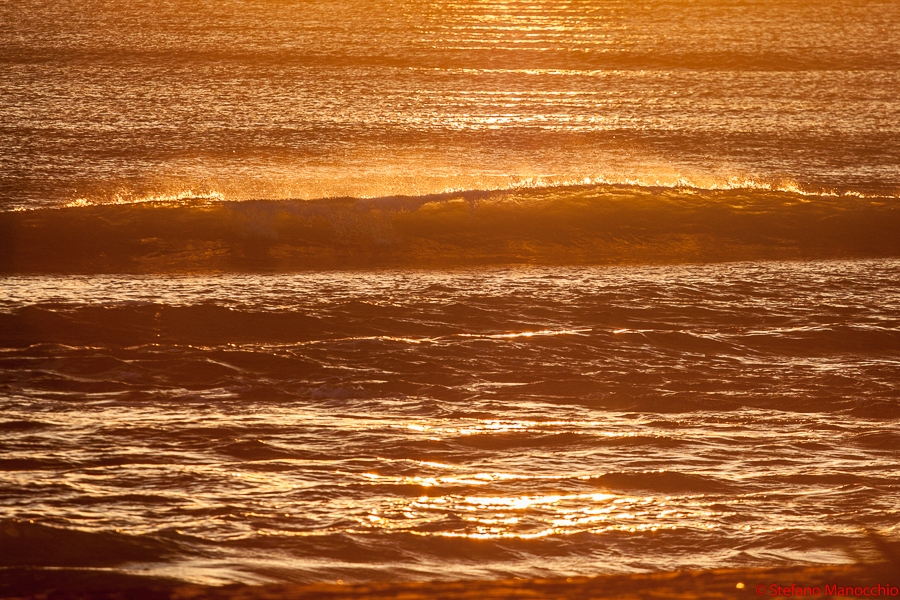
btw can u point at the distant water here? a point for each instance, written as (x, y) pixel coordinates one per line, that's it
(121, 101)
(315, 291)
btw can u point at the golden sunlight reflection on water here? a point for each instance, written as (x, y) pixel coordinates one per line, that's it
(532, 516)
(333, 289)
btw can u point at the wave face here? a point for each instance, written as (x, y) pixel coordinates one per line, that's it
(469, 423)
(589, 224)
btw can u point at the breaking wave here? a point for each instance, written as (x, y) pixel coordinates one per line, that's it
(586, 224)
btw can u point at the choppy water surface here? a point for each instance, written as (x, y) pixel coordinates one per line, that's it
(473, 423)
(318, 290)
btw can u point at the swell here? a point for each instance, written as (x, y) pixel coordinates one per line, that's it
(810, 59)
(26, 543)
(591, 224)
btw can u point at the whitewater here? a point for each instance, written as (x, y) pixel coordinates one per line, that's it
(323, 290)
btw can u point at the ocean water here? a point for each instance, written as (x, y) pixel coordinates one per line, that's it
(326, 290)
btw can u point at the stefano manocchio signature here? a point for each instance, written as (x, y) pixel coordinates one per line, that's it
(828, 590)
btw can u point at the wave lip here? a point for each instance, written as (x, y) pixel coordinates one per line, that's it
(588, 224)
